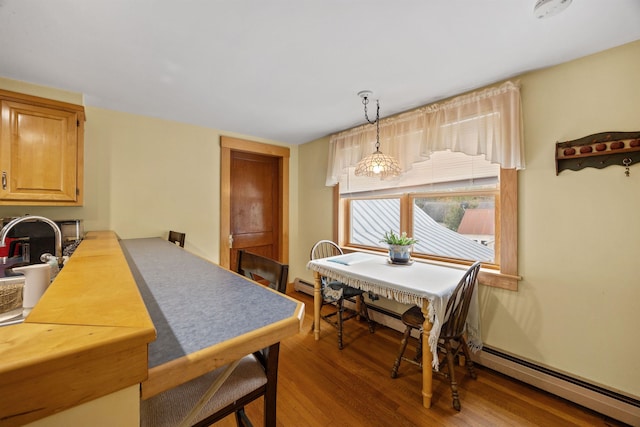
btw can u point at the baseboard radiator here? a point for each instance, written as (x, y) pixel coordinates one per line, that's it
(604, 401)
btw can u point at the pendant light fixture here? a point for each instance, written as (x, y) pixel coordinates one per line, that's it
(376, 164)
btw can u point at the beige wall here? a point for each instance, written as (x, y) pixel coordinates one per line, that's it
(577, 307)
(121, 409)
(144, 176)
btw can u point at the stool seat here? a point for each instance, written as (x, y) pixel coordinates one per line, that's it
(413, 317)
(169, 408)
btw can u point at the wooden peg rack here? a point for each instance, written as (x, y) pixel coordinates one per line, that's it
(598, 151)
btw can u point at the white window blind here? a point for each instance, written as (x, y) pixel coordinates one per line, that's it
(443, 170)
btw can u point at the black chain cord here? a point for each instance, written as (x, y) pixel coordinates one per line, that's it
(365, 101)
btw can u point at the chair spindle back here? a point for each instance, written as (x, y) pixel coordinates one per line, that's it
(324, 249)
(458, 306)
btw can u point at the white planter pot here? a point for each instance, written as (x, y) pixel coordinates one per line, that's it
(400, 254)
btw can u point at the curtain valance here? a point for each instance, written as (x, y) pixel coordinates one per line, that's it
(485, 122)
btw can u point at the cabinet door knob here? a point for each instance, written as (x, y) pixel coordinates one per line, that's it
(4, 180)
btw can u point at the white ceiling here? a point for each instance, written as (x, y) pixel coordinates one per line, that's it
(289, 70)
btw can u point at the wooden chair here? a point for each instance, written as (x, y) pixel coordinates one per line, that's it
(451, 339)
(263, 270)
(335, 292)
(255, 376)
(177, 238)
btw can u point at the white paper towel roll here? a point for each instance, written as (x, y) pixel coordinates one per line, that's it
(37, 278)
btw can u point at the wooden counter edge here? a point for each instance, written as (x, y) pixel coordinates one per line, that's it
(181, 370)
(114, 359)
(104, 359)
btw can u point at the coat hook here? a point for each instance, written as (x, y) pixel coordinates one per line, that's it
(626, 162)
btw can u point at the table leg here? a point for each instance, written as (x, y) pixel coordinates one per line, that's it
(317, 303)
(427, 358)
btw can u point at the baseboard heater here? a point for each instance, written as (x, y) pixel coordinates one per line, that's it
(602, 400)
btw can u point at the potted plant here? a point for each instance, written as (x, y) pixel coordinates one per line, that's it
(400, 246)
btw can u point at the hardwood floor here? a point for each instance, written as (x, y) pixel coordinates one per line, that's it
(319, 385)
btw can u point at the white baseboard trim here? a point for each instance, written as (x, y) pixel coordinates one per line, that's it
(612, 404)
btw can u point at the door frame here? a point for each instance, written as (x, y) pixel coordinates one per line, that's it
(229, 144)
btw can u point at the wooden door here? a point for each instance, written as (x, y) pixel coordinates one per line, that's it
(254, 200)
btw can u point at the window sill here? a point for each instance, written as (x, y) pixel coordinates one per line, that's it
(496, 279)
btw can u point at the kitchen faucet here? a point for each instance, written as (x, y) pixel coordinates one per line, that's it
(56, 230)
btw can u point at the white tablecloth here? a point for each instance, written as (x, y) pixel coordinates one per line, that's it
(410, 284)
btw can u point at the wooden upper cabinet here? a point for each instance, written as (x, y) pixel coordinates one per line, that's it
(41, 151)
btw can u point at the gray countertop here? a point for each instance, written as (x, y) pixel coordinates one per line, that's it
(194, 303)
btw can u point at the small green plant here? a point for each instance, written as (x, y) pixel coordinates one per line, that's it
(392, 238)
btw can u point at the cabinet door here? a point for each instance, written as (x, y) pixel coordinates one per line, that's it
(39, 154)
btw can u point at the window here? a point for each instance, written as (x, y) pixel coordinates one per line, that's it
(458, 225)
(448, 203)
(364, 215)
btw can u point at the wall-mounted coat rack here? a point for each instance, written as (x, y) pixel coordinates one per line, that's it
(599, 151)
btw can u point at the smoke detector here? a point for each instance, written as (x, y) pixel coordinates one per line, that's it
(547, 8)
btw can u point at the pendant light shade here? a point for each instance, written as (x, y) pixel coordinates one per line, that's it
(377, 164)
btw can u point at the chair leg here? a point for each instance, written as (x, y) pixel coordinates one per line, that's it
(365, 313)
(467, 356)
(452, 376)
(241, 418)
(339, 314)
(403, 347)
(272, 355)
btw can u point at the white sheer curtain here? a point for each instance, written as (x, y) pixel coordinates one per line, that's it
(487, 122)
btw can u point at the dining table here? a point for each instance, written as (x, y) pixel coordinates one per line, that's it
(205, 315)
(428, 285)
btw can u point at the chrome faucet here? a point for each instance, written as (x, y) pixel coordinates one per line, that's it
(56, 230)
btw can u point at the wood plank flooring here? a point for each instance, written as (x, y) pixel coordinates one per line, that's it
(319, 385)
